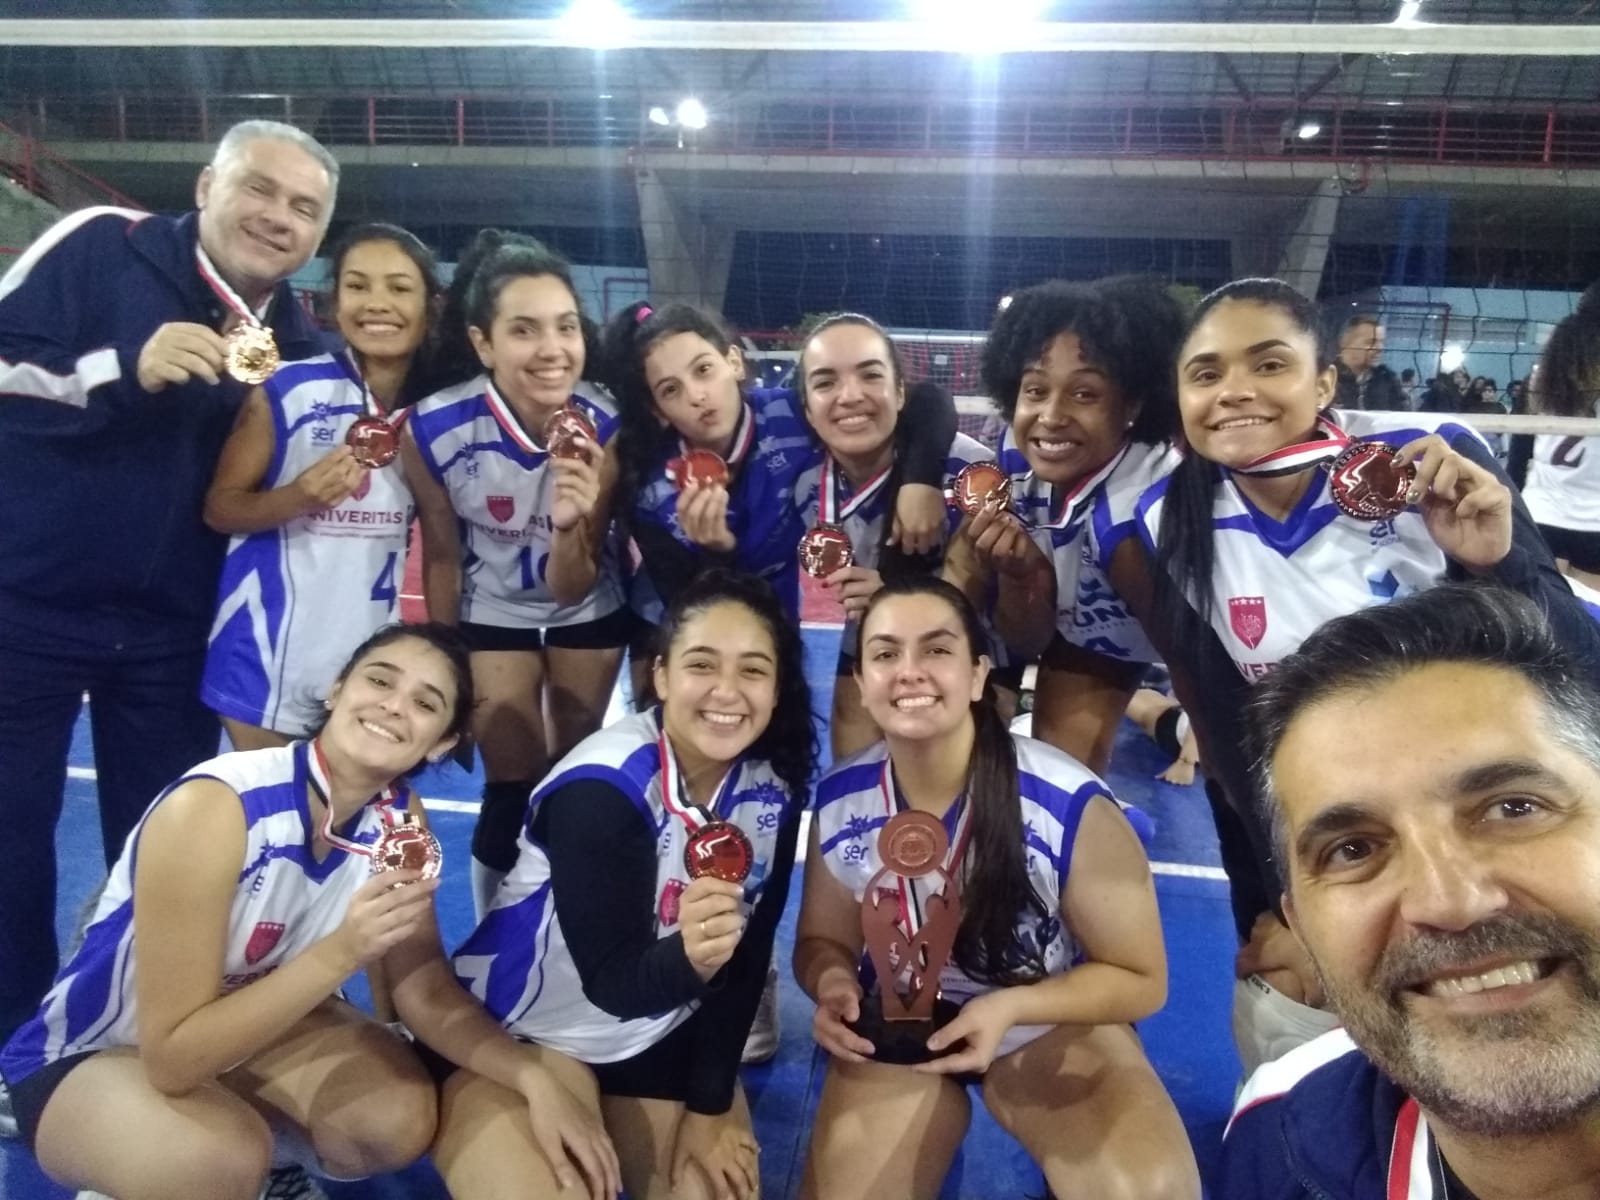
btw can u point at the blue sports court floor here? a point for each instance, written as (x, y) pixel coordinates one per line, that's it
(1188, 1041)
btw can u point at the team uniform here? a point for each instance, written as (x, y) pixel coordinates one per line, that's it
(296, 600)
(1563, 494)
(520, 961)
(1080, 533)
(285, 901)
(854, 802)
(772, 447)
(1323, 1123)
(495, 474)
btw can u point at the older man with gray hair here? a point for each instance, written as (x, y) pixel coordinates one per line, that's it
(127, 344)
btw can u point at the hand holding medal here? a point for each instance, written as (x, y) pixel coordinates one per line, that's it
(703, 506)
(1467, 508)
(574, 463)
(250, 352)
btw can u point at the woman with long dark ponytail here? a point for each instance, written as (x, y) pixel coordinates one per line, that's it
(1058, 949)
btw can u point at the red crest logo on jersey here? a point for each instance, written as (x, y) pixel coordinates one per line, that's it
(667, 907)
(262, 939)
(1248, 616)
(363, 487)
(501, 508)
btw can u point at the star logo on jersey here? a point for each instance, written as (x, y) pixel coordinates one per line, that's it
(320, 411)
(363, 487)
(667, 906)
(263, 938)
(1247, 615)
(501, 508)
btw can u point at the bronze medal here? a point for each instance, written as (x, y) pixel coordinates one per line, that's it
(407, 846)
(563, 430)
(824, 550)
(373, 442)
(1369, 483)
(252, 354)
(913, 844)
(701, 466)
(721, 850)
(979, 485)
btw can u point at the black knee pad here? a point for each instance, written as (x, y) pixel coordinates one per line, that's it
(494, 839)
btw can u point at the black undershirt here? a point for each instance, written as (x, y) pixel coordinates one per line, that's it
(603, 860)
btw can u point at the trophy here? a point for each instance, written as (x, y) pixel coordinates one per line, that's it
(908, 940)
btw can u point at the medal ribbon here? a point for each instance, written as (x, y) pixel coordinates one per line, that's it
(743, 435)
(1298, 457)
(829, 509)
(317, 767)
(1081, 494)
(369, 402)
(507, 419)
(675, 792)
(910, 907)
(224, 292)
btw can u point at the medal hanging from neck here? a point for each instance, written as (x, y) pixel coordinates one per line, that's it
(251, 355)
(826, 546)
(565, 430)
(505, 417)
(374, 439)
(1080, 496)
(714, 847)
(1366, 479)
(980, 485)
(914, 845)
(404, 845)
(694, 465)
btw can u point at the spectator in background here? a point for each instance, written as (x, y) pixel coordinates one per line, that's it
(115, 400)
(1447, 393)
(1410, 386)
(1364, 382)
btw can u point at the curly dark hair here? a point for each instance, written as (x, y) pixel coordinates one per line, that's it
(447, 640)
(996, 889)
(1568, 380)
(424, 367)
(1130, 327)
(789, 741)
(494, 259)
(624, 342)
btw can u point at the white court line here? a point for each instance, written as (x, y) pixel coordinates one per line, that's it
(1182, 870)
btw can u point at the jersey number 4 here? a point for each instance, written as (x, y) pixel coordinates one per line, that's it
(383, 588)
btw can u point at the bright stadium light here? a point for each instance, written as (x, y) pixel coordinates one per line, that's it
(1308, 130)
(999, 23)
(692, 114)
(1452, 357)
(598, 24)
(1408, 12)
(658, 116)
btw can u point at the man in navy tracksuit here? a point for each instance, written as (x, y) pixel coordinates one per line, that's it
(1445, 882)
(114, 405)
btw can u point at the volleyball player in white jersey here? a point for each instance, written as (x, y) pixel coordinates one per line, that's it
(503, 539)
(1081, 373)
(198, 1030)
(1563, 483)
(605, 947)
(1058, 950)
(319, 541)
(853, 392)
(1252, 554)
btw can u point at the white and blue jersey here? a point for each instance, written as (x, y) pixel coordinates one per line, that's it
(1089, 612)
(1563, 484)
(1275, 582)
(296, 600)
(1323, 1121)
(763, 502)
(285, 901)
(852, 806)
(493, 470)
(517, 961)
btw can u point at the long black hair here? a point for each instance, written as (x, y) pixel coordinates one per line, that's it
(447, 640)
(1185, 551)
(1568, 380)
(996, 891)
(892, 561)
(424, 365)
(1130, 327)
(624, 343)
(494, 259)
(789, 741)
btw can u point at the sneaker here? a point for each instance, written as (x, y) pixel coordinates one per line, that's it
(291, 1183)
(762, 1044)
(8, 1119)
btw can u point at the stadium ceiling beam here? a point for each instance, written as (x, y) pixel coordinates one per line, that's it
(890, 36)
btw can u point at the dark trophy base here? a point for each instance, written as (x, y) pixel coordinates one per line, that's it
(904, 1042)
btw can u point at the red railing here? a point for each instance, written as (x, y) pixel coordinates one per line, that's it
(51, 177)
(1529, 135)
